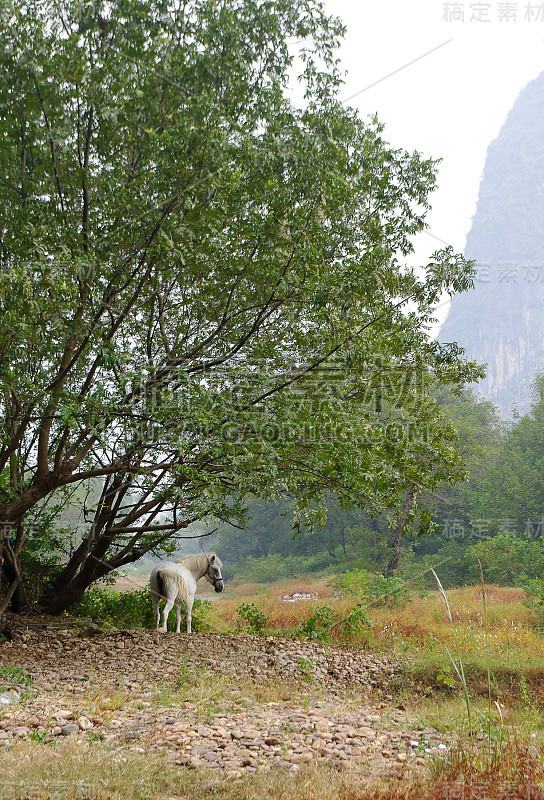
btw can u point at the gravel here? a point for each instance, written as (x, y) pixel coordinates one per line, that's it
(315, 725)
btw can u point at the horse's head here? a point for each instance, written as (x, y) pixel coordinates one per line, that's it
(213, 573)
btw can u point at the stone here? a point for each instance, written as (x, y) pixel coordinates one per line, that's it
(301, 758)
(69, 730)
(9, 697)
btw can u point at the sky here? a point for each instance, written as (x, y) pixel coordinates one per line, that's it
(442, 77)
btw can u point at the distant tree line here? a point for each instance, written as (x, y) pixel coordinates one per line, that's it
(496, 514)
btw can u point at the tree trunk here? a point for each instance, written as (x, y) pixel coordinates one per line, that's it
(83, 563)
(12, 568)
(5, 602)
(69, 592)
(70, 588)
(394, 561)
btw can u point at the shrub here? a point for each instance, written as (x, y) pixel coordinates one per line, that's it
(376, 590)
(275, 567)
(255, 619)
(318, 624)
(534, 590)
(352, 624)
(507, 559)
(321, 624)
(133, 609)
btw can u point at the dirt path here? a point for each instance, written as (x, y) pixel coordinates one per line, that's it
(230, 704)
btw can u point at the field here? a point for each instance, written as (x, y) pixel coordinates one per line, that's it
(373, 711)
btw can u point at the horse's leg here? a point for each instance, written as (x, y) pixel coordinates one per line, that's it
(155, 599)
(167, 609)
(189, 613)
(178, 616)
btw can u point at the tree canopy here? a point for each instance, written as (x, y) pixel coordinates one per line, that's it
(204, 289)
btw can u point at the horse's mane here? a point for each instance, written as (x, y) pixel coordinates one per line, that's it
(199, 561)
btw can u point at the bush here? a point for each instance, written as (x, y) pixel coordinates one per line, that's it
(317, 626)
(376, 590)
(133, 609)
(534, 590)
(320, 625)
(508, 559)
(255, 619)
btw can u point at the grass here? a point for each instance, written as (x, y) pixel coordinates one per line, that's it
(91, 772)
(501, 647)
(518, 775)
(88, 771)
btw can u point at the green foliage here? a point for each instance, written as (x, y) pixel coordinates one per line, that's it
(351, 625)
(388, 592)
(37, 736)
(255, 619)
(276, 543)
(187, 260)
(317, 626)
(375, 589)
(507, 559)
(275, 567)
(534, 589)
(513, 486)
(350, 583)
(133, 609)
(186, 676)
(321, 623)
(14, 676)
(445, 678)
(305, 665)
(130, 609)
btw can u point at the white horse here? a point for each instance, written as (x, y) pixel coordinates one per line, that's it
(176, 582)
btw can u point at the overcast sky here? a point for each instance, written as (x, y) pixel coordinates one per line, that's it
(471, 60)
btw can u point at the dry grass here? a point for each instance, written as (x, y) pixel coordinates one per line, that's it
(282, 616)
(418, 634)
(69, 771)
(518, 774)
(422, 625)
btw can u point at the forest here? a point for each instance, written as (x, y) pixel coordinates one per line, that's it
(494, 515)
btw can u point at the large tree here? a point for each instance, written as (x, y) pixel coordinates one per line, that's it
(203, 292)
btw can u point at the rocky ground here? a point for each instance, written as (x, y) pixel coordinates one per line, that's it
(209, 700)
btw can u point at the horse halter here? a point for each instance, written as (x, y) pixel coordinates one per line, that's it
(218, 583)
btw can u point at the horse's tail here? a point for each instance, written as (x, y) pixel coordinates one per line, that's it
(167, 578)
(160, 584)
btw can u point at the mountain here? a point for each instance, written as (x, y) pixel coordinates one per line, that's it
(501, 322)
